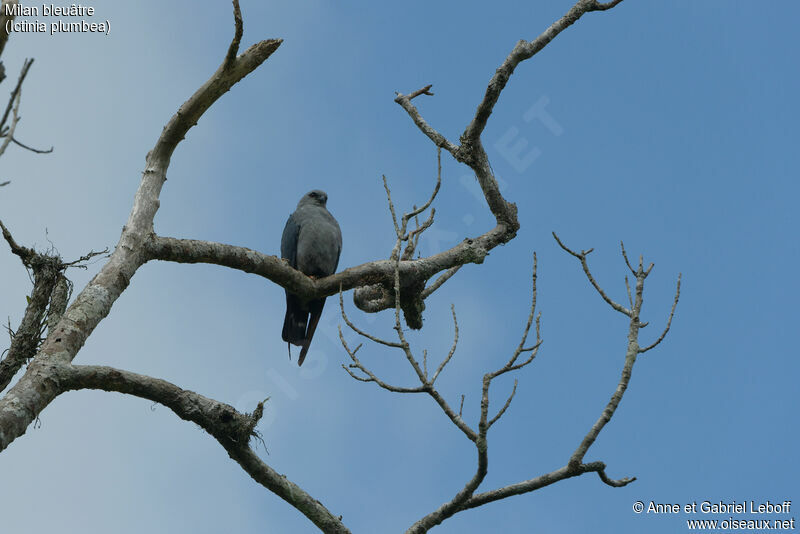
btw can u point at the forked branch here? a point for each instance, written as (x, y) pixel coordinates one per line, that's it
(632, 351)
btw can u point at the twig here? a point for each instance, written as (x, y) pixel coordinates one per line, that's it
(360, 332)
(452, 348)
(25, 254)
(582, 257)
(625, 255)
(424, 91)
(34, 150)
(391, 206)
(371, 377)
(233, 49)
(628, 289)
(669, 321)
(505, 406)
(444, 277)
(438, 139)
(9, 134)
(26, 65)
(602, 6)
(86, 257)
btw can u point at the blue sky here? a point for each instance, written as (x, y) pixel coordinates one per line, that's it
(670, 125)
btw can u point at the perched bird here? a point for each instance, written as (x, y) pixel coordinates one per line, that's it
(311, 242)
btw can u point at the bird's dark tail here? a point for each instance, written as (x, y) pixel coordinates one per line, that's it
(315, 312)
(294, 323)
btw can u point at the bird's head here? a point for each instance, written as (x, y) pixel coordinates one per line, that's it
(314, 197)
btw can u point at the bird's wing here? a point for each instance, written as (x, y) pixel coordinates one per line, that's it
(338, 243)
(294, 323)
(289, 241)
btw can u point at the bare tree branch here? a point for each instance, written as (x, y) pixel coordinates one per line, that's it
(86, 257)
(25, 254)
(452, 348)
(582, 257)
(462, 498)
(9, 132)
(414, 235)
(669, 321)
(444, 277)
(273, 268)
(397, 230)
(628, 263)
(360, 332)
(370, 375)
(632, 351)
(30, 148)
(230, 428)
(233, 49)
(602, 6)
(502, 410)
(23, 73)
(426, 385)
(575, 466)
(628, 289)
(543, 481)
(521, 347)
(438, 139)
(522, 51)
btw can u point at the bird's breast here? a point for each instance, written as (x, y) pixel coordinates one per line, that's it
(318, 251)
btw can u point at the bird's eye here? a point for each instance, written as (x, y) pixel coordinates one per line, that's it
(312, 195)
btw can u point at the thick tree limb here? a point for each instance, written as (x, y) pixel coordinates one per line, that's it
(230, 428)
(379, 272)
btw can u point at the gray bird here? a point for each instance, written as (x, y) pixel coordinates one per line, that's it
(311, 242)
